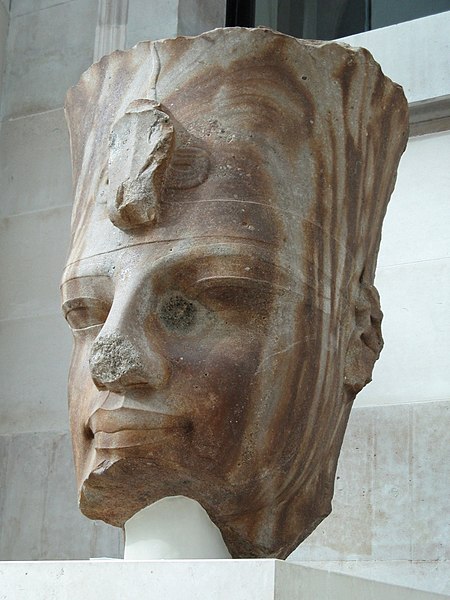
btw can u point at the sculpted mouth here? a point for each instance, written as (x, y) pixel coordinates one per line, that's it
(122, 428)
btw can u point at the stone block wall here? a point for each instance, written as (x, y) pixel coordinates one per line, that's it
(4, 23)
(49, 45)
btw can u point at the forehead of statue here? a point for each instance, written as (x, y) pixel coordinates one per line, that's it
(217, 221)
(202, 225)
(211, 214)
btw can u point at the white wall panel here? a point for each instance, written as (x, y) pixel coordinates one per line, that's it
(415, 54)
(40, 519)
(48, 49)
(34, 361)
(33, 249)
(4, 23)
(151, 20)
(35, 163)
(413, 278)
(416, 227)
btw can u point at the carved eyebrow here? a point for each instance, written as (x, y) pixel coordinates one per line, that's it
(227, 264)
(87, 286)
(247, 281)
(237, 278)
(219, 250)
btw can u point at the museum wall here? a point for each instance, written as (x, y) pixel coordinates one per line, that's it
(49, 45)
(390, 492)
(4, 23)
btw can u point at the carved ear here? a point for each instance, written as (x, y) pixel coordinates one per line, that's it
(366, 341)
(140, 147)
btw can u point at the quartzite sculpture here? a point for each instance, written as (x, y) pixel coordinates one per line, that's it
(229, 195)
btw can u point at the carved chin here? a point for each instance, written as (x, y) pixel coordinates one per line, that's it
(271, 531)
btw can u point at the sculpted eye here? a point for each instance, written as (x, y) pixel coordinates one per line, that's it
(177, 313)
(82, 313)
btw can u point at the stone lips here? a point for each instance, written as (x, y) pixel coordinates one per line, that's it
(284, 143)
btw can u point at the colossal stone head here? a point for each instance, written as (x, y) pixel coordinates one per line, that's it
(229, 195)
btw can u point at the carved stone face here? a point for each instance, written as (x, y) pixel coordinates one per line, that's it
(220, 281)
(185, 355)
(189, 346)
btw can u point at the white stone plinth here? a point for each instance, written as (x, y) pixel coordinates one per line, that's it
(189, 579)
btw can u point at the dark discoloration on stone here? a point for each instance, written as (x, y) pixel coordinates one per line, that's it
(237, 326)
(177, 313)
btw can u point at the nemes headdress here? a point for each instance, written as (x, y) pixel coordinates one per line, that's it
(215, 109)
(284, 142)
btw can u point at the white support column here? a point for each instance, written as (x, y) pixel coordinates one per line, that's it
(111, 30)
(175, 527)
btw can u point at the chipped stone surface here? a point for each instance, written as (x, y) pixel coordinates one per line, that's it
(140, 148)
(249, 298)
